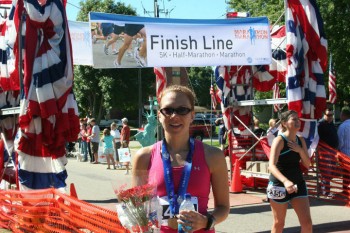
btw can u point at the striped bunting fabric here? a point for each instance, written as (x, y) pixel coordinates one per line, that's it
(265, 76)
(9, 76)
(222, 80)
(307, 59)
(233, 82)
(49, 113)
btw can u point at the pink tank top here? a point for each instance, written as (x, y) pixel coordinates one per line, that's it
(198, 185)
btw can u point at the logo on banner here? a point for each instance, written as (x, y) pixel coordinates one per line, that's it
(251, 34)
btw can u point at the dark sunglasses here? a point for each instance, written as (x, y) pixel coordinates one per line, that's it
(179, 111)
(329, 115)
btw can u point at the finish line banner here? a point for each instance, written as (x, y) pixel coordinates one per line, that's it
(121, 41)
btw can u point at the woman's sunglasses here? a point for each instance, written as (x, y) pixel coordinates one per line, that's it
(179, 111)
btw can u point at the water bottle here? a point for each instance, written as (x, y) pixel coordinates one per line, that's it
(155, 212)
(186, 205)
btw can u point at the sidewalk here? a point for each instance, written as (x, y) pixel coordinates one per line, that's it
(248, 213)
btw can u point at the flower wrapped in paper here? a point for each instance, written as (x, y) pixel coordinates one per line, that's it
(138, 208)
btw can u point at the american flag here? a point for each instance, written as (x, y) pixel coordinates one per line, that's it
(214, 94)
(222, 80)
(332, 83)
(161, 80)
(276, 95)
(307, 59)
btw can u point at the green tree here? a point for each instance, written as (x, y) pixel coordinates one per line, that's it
(98, 91)
(335, 15)
(199, 78)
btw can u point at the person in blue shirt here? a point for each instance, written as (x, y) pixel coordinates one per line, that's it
(108, 150)
(344, 145)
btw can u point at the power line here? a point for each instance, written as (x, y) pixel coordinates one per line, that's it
(73, 5)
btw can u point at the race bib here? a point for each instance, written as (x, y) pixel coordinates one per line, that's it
(275, 192)
(164, 202)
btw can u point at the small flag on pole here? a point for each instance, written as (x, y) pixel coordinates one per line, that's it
(332, 83)
(276, 95)
(160, 80)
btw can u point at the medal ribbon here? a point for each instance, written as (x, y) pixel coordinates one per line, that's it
(168, 177)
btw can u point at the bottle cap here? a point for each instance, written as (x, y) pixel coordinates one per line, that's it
(187, 196)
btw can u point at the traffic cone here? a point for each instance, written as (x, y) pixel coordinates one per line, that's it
(236, 183)
(73, 192)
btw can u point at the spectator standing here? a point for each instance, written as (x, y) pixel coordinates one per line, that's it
(108, 150)
(286, 183)
(83, 134)
(195, 167)
(125, 133)
(257, 130)
(328, 134)
(222, 132)
(95, 139)
(88, 141)
(344, 144)
(125, 139)
(272, 131)
(116, 142)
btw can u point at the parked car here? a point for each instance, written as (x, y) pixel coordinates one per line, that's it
(201, 128)
(107, 124)
(206, 116)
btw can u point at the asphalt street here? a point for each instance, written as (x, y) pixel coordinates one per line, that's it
(101, 60)
(95, 184)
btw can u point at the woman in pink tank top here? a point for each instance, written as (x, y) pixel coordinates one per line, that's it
(202, 166)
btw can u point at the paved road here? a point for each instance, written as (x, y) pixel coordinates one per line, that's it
(101, 60)
(94, 184)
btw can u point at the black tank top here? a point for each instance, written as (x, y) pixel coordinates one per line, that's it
(288, 164)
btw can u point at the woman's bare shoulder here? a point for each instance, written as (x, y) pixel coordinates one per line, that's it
(212, 151)
(144, 152)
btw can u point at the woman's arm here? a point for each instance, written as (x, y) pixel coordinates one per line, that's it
(140, 165)
(219, 181)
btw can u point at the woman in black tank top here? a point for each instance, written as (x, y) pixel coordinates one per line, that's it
(286, 181)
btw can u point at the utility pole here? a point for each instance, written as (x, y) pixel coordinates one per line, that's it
(156, 9)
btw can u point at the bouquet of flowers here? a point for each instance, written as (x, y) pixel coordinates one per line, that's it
(138, 208)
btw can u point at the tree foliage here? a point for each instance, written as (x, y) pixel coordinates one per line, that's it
(200, 80)
(335, 15)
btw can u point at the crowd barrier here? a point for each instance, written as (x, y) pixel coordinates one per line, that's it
(49, 210)
(328, 177)
(329, 174)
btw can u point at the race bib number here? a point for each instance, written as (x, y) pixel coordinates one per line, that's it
(275, 192)
(164, 202)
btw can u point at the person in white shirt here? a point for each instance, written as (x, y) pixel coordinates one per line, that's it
(116, 134)
(95, 139)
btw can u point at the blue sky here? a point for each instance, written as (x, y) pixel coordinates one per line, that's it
(183, 9)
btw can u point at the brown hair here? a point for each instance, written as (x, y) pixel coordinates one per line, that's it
(285, 117)
(180, 89)
(106, 132)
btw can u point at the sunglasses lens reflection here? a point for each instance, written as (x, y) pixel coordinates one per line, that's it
(179, 111)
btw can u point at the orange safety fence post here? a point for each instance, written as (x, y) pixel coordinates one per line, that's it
(73, 192)
(236, 183)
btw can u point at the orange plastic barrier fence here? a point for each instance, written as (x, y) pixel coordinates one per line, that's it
(329, 175)
(51, 211)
